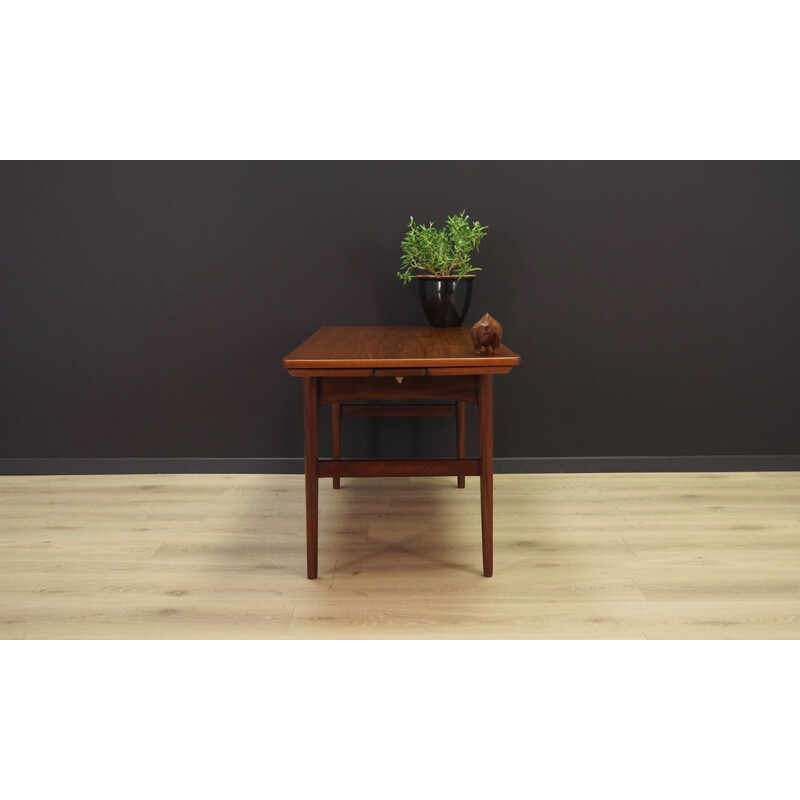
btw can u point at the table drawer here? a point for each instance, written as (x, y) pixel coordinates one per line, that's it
(400, 372)
(406, 387)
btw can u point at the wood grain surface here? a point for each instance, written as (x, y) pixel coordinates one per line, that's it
(665, 556)
(386, 346)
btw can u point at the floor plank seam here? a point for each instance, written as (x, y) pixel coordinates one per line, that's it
(628, 545)
(644, 596)
(333, 574)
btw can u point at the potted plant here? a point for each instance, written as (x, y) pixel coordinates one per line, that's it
(439, 259)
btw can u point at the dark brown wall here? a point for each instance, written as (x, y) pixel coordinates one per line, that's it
(145, 307)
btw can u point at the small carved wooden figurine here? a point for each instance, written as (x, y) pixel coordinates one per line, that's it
(487, 333)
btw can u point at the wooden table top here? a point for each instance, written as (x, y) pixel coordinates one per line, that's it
(367, 347)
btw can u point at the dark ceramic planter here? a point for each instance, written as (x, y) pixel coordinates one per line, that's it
(445, 301)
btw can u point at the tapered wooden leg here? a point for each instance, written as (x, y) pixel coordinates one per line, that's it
(461, 437)
(336, 437)
(485, 412)
(311, 415)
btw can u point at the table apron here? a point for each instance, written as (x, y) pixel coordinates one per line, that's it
(367, 372)
(457, 387)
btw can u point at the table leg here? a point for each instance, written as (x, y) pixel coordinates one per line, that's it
(336, 437)
(311, 417)
(461, 437)
(485, 409)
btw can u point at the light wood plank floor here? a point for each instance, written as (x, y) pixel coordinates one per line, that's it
(661, 556)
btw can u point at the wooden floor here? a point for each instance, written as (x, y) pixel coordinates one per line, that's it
(658, 556)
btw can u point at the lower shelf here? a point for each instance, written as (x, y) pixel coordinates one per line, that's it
(398, 468)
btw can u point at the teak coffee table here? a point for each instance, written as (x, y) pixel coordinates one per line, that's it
(396, 362)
